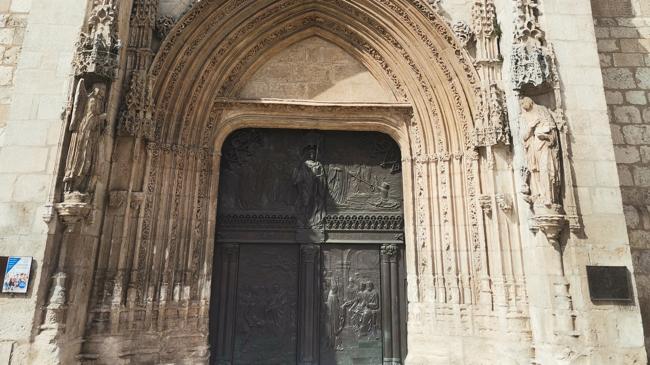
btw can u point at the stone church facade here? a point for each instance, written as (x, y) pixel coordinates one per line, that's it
(326, 181)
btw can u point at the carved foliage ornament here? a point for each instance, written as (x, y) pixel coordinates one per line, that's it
(484, 18)
(97, 49)
(164, 25)
(136, 118)
(463, 32)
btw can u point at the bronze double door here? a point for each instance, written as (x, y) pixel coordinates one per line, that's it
(309, 257)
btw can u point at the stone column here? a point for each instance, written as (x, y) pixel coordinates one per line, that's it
(309, 289)
(390, 304)
(226, 304)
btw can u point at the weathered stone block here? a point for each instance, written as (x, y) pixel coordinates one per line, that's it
(7, 186)
(6, 75)
(605, 60)
(628, 59)
(643, 77)
(617, 135)
(21, 6)
(631, 216)
(635, 45)
(627, 115)
(636, 134)
(623, 32)
(626, 154)
(618, 78)
(641, 176)
(646, 115)
(645, 154)
(607, 45)
(614, 97)
(7, 36)
(31, 188)
(23, 159)
(601, 32)
(636, 97)
(10, 55)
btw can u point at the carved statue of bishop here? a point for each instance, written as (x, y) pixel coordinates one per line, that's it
(86, 126)
(542, 143)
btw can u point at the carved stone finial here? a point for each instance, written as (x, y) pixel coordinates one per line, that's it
(97, 49)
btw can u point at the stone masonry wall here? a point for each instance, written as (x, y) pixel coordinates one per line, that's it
(623, 32)
(34, 79)
(13, 23)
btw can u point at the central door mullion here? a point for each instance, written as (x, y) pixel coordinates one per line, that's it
(308, 308)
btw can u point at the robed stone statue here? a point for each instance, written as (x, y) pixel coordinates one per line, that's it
(542, 144)
(86, 127)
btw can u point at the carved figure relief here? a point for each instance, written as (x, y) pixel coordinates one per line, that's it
(351, 319)
(309, 175)
(86, 126)
(541, 141)
(310, 180)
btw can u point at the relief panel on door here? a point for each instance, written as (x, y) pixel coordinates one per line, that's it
(266, 320)
(351, 331)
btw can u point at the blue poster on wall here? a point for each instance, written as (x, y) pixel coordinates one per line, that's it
(16, 275)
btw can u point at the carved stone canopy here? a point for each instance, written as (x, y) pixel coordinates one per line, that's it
(97, 49)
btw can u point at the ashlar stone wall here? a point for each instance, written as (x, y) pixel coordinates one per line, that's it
(623, 32)
(13, 23)
(36, 48)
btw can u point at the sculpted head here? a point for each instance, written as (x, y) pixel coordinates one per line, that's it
(527, 104)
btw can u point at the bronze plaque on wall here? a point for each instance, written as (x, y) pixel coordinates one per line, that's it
(609, 283)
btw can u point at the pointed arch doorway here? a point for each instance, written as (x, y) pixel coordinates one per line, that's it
(309, 253)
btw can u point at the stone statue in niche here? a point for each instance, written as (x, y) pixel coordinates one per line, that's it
(86, 126)
(311, 182)
(542, 144)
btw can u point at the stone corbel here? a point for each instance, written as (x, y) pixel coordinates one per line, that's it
(74, 209)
